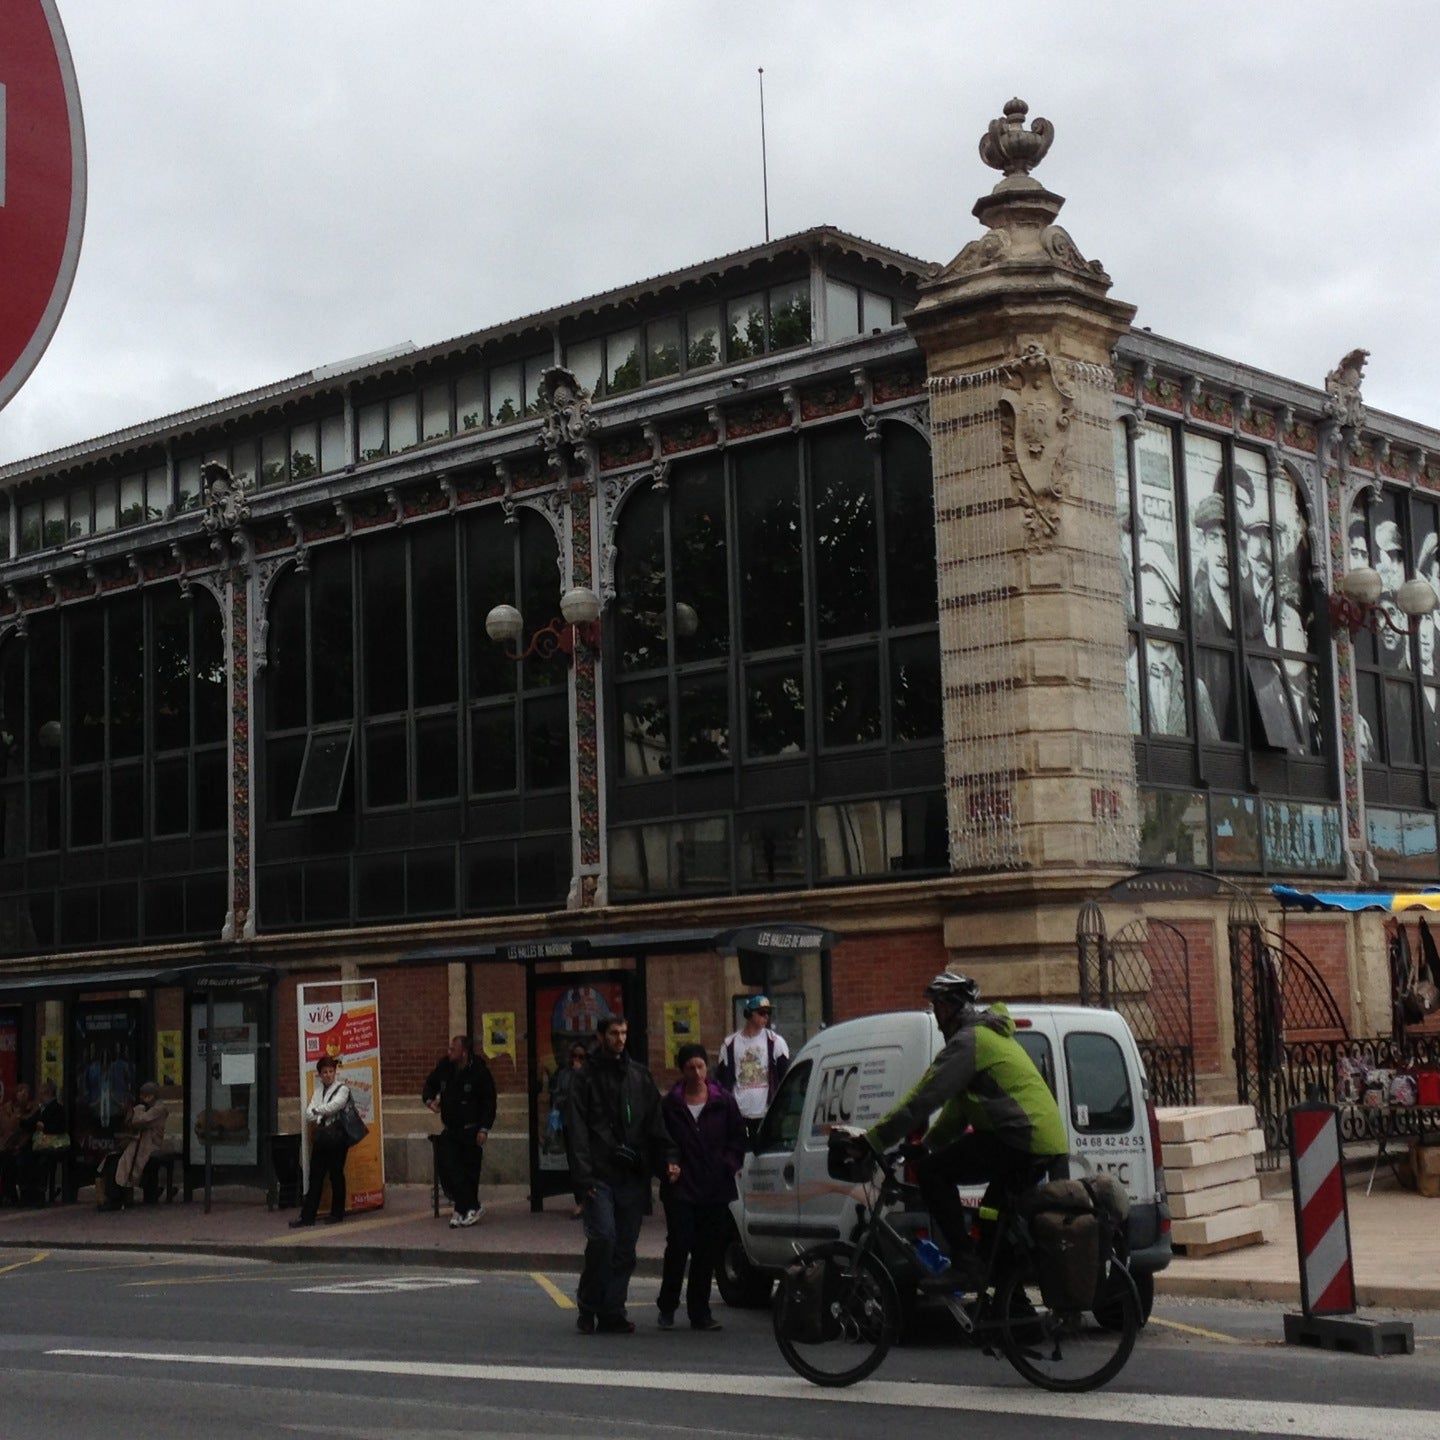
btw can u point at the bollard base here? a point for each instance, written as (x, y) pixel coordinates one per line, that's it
(1351, 1335)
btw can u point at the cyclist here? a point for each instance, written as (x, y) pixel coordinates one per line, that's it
(998, 1121)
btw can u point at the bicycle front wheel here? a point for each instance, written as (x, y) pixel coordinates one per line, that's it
(1065, 1349)
(843, 1324)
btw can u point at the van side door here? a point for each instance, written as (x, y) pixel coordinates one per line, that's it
(1106, 1110)
(855, 1088)
(769, 1180)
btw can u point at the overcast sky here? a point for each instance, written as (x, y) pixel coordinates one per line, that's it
(278, 184)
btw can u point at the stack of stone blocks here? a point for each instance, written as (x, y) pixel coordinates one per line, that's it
(1208, 1153)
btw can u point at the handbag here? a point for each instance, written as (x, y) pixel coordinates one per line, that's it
(352, 1126)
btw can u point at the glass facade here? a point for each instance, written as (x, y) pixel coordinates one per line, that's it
(1225, 664)
(114, 798)
(411, 768)
(777, 665)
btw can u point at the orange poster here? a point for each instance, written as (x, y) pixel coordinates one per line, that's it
(342, 1018)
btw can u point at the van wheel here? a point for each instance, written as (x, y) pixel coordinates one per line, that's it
(1108, 1316)
(741, 1285)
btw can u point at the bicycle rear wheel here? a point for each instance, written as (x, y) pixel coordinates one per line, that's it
(1065, 1349)
(852, 1330)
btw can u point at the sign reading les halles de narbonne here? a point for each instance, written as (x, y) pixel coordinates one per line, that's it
(42, 184)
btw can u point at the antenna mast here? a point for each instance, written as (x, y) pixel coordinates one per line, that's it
(764, 166)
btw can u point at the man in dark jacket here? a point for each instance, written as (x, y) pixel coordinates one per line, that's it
(461, 1090)
(617, 1140)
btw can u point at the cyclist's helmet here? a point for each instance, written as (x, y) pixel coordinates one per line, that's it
(952, 989)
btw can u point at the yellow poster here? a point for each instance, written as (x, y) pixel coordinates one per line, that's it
(346, 1024)
(52, 1061)
(499, 1034)
(169, 1065)
(682, 1027)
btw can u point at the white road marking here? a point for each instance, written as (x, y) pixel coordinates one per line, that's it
(1179, 1412)
(386, 1285)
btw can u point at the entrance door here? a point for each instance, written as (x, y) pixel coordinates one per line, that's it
(564, 1013)
(232, 1055)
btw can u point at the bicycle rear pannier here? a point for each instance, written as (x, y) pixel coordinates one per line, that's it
(805, 1294)
(1068, 1259)
(1066, 1197)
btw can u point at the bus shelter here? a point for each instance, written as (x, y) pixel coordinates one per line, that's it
(571, 980)
(205, 1029)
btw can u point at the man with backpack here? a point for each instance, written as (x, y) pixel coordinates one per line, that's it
(753, 1062)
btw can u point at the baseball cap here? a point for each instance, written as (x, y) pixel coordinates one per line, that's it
(757, 1002)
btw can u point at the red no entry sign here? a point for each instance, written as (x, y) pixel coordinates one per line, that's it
(42, 183)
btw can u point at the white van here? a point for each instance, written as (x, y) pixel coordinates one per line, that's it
(853, 1073)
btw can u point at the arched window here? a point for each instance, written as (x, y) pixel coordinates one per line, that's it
(114, 717)
(778, 669)
(1224, 673)
(412, 768)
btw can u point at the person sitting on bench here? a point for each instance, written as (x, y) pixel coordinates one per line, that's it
(145, 1123)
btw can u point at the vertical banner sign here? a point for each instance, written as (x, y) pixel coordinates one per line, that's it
(498, 1031)
(42, 184)
(1322, 1220)
(342, 1018)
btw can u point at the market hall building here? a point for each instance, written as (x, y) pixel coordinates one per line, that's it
(916, 604)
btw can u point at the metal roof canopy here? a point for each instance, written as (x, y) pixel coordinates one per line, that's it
(781, 937)
(202, 975)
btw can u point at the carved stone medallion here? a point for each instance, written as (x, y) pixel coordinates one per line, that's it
(1036, 408)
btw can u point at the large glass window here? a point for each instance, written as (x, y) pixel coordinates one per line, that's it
(775, 638)
(1223, 665)
(393, 722)
(113, 726)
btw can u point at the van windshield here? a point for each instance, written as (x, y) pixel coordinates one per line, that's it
(1100, 1099)
(780, 1129)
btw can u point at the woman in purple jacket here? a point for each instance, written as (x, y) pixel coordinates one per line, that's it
(704, 1121)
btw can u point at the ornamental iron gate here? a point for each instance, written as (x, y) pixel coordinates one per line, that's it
(1144, 973)
(1285, 1016)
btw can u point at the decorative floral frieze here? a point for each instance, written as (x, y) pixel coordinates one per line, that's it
(1125, 383)
(627, 448)
(757, 418)
(833, 399)
(1162, 393)
(898, 382)
(690, 432)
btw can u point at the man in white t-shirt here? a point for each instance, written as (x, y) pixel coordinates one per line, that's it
(753, 1061)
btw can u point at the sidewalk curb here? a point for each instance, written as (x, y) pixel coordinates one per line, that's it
(1287, 1292)
(549, 1262)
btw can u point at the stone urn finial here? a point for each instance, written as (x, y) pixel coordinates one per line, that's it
(1007, 145)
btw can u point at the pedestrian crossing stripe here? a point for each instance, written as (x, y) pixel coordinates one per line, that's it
(386, 1285)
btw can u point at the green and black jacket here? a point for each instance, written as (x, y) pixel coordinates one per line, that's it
(984, 1078)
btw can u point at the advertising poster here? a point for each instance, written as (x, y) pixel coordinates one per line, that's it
(107, 1054)
(498, 1032)
(52, 1062)
(682, 1027)
(9, 1053)
(231, 1124)
(169, 1063)
(568, 1014)
(342, 1018)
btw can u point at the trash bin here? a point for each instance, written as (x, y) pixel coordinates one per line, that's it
(285, 1166)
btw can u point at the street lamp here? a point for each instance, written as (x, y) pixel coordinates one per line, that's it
(1356, 603)
(580, 607)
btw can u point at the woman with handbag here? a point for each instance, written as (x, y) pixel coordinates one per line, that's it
(328, 1144)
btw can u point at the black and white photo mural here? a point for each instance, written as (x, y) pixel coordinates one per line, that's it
(1224, 673)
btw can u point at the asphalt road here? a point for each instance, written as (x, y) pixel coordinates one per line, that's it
(159, 1347)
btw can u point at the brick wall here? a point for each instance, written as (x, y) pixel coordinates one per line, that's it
(1199, 936)
(502, 988)
(875, 973)
(1326, 945)
(414, 1024)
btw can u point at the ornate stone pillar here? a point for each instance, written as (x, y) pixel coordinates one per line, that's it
(567, 437)
(1017, 332)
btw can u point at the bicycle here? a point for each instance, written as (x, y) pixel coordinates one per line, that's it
(847, 1335)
